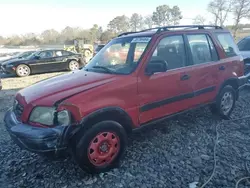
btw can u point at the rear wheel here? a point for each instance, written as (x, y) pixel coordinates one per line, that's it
(73, 65)
(22, 70)
(101, 147)
(225, 102)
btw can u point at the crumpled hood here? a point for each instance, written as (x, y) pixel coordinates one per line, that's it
(60, 87)
(245, 54)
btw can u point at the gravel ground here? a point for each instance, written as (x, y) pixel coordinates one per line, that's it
(171, 154)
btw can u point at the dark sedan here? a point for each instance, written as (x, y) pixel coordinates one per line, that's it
(43, 61)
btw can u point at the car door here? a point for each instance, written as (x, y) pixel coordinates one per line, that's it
(42, 62)
(203, 70)
(163, 93)
(60, 62)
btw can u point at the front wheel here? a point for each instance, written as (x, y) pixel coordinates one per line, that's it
(22, 70)
(225, 102)
(101, 147)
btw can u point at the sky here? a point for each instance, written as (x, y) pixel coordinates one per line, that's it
(26, 16)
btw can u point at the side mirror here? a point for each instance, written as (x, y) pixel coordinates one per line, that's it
(156, 66)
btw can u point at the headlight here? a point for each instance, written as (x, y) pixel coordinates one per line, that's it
(43, 115)
(63, 118)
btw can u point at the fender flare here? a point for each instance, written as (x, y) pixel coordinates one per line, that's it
(117, 114)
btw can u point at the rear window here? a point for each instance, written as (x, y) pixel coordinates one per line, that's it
(227, 42)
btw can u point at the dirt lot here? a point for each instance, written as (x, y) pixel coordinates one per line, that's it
(173, 154)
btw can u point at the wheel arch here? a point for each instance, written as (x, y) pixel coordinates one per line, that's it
(234, 82)
(116, 114)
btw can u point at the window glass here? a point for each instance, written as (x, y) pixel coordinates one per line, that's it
(139, 49)
(46, 54)
(228, 44)
(59, 53)
(119, 56)
(244, 45)
(213, 49)
(171, 50)
(65, 53)
(199, 48)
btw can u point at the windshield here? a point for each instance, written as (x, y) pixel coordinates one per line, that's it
(120, 56)
(25, 54)
(32, 55)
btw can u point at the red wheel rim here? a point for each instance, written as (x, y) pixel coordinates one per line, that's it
(103, 148)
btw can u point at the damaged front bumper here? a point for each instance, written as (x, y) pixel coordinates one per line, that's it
(244, 80)
(36, 139)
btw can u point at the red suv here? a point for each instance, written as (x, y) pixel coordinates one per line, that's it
(91, 111)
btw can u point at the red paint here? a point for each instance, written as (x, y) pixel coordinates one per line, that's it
(103, 148)
(86, 92)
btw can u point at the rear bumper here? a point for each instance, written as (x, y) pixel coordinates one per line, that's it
(35, 139)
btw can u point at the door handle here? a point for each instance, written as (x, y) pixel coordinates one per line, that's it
(185, 77)
(222, 68)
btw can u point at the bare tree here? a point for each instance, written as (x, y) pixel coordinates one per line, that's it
(220, 10)
(136, 22)
(148, 22)
(199, 20)
(241, 10)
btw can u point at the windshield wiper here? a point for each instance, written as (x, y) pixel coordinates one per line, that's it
(104, 68)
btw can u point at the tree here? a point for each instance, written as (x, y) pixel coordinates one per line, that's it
(136, 22)
(119, 24)
(106, 36)
(2, 40)
(148, 22)
(14, 40)
(199, 20)
(241, 9)
(164, 15)
(50, 36)
(175, 15)
(94, 31)
(220, 10)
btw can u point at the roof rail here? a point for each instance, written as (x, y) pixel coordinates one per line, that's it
(127, 33)
(166, 28)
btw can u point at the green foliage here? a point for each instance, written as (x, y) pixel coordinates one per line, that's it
(136, 22)
(165, 15)
(119, 24)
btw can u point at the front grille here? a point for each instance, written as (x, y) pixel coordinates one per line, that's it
(18, 109)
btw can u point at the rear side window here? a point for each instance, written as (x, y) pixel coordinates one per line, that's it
(200, 49)
(65, 53)
(228, 44)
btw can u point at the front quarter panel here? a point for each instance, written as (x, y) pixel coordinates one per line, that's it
(120, 93)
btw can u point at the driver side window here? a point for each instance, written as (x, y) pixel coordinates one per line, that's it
(171, 49)
(47, 54)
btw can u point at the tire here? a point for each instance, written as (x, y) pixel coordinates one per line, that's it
(225, 102)
(74, 65)
(23, 70)
(87, 53)
(101, 147)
